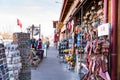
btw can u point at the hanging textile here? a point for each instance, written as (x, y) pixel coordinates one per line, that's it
(55, 38)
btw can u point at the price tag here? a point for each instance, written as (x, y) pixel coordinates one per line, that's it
(104, 29)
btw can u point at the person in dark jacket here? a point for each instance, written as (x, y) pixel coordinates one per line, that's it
(48, 44)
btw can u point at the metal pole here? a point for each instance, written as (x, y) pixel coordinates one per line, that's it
(39, 30)
(32, 30)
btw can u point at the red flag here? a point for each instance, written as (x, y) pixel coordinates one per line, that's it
(19, 23)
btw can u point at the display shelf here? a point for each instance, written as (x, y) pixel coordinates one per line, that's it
(13, 55)
(3, 63)
(22, 39)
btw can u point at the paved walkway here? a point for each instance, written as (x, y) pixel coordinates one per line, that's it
(51, 69)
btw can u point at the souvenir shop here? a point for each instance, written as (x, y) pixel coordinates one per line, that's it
(88, 38)
(92, 45)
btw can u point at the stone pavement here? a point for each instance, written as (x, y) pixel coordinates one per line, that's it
(51, 69)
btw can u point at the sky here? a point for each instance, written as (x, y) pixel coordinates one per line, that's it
(29, 12)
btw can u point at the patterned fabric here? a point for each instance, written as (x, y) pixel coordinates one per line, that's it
(55, 38)
(105, 47)
(97, 47)
(96, 61)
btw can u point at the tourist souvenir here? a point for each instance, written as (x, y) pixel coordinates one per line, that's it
(100, 3)
(93, 8)
(95, 24)
(88, 14)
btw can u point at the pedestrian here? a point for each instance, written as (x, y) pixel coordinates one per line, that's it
(39, 48)
(39, 44)
(44, 47)
(33, 44)
(48, 43)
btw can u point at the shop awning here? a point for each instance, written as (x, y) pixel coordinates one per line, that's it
(65, 8)
(59, 25)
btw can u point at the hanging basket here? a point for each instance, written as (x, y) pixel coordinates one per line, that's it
(100, 3)
(95, 24)
(93, 8)
(100, 11)
(87, 14)
(84, 17)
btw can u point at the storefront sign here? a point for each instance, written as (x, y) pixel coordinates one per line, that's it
(104, 29)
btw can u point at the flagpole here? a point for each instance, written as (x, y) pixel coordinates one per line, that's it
(21, 30)
(39, 30)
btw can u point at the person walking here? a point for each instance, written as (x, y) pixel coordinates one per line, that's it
(48, 43)
(44, 47)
